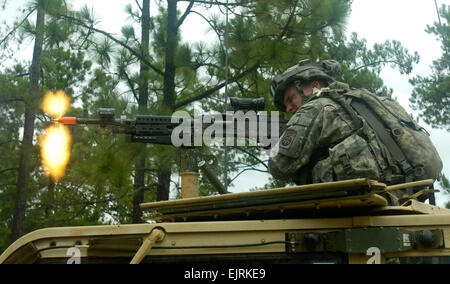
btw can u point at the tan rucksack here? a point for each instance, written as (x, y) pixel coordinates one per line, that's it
(409, 145)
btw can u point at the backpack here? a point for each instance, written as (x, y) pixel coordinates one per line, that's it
(409, 145)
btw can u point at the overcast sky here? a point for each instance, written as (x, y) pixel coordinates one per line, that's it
(374, 20)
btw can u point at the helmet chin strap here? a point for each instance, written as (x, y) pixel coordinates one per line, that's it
(298, 85)
(315, 91)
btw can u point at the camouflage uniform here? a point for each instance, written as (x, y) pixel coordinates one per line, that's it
(323, 144)
(341, 133)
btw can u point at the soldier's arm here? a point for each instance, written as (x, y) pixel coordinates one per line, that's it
(297, 144)
(317, 125)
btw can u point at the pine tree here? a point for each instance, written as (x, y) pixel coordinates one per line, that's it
(431, 95)
(31, 103)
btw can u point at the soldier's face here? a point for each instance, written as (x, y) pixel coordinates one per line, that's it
(292, 96)
(292, 99)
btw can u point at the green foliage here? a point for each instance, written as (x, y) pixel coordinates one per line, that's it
(64, 69)
(88, 195)
(362, 66)
(11, 111)
(431, 95)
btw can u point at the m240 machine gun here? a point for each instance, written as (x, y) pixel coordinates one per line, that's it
(247, 122)
(182, 130)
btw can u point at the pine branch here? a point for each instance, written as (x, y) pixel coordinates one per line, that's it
(375, 63)
(215, 89)
(248, 169)
(8, 170)
(108, 35)
(253, 156)
(286, 27)
(139, 5)
(218, 3)
(17, 27)
(188, 10)
(130, 83)
(210, 23)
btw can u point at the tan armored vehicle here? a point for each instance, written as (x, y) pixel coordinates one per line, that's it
(339, 222)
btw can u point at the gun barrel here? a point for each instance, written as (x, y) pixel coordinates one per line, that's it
(66, 120)
(77, 121)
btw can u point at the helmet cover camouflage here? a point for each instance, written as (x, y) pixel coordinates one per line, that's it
(304, 71)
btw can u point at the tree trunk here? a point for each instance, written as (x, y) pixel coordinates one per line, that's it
(144, 68)
(171, 47)
(163, 184)
(139, 181)
(139, 185)
(169, 89)
(27, 141)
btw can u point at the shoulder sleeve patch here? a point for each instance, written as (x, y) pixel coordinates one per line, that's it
(288, 138)
(291, 141)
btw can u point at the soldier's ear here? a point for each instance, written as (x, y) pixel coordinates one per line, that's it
(317, 84)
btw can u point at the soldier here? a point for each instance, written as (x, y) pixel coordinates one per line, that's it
(328, 140)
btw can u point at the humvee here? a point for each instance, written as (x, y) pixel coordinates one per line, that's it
(340, 222)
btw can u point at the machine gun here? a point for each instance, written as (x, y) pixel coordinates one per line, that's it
(189, 132)
(182, 131)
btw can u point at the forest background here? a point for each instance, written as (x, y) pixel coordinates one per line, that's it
(160, 56)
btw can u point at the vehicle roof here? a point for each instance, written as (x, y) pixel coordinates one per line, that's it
(342, 198)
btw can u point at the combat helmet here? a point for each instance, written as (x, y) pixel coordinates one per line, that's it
(304, 71)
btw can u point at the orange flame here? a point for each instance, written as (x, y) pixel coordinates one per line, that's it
(55, 142)
(55, 150)
(56, 105)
